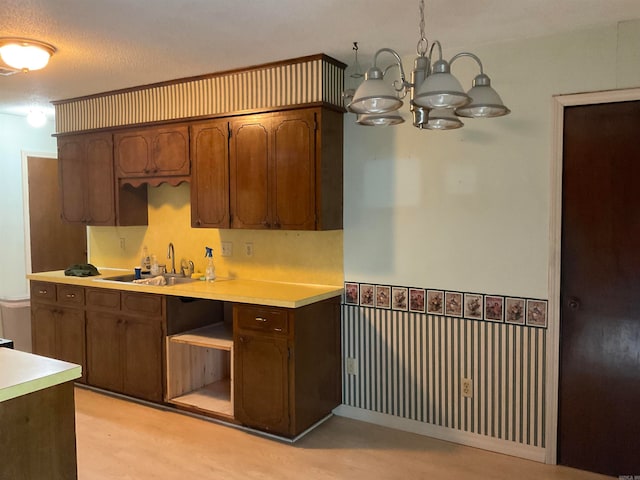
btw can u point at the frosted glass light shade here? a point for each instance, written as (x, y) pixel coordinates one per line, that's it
(374, 95)
(485, 101)
(441, 90)
(380, 120)
(443, 119)
(25, 54)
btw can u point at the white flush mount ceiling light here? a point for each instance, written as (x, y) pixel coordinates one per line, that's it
(24, 54)
(437, 98)
(36, 118)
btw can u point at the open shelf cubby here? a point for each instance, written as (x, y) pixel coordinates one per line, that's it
(200, 369)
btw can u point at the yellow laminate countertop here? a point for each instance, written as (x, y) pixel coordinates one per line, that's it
(275, 294)
(22, 373)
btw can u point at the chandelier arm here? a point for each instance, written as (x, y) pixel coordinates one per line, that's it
(399, 63)
(433, 45)
(467, 54)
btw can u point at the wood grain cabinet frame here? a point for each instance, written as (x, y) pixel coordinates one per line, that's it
(287, 365)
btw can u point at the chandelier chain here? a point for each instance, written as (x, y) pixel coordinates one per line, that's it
(423, 43)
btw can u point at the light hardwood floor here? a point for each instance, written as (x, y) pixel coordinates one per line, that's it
(120, 439)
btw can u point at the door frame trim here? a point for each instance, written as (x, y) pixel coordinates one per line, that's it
(559, 102)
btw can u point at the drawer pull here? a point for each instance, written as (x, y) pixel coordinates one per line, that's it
(71, 295)
(42, 292)
(261, 319)
(277, 329)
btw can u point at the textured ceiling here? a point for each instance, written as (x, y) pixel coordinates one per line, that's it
(110, 44)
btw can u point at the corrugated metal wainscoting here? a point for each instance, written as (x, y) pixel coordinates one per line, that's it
(410, 365)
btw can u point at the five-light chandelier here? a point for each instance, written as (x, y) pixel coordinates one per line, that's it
(436, 97)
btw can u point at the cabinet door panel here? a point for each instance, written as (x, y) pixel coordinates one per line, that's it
(249, 173)
(100, 193)
(294, 178)
(210, 175)
(262, 382)
(71, 168)
(170, 151)
(132, 151)
(43, 330)
(70, 337)
(104, 364)
(143, 358)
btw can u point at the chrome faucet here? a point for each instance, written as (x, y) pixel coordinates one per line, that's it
(171, 254)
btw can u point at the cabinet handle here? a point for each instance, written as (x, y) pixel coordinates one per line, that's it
(277, 329)
(71, 295)
(261, 319)
(42, 292)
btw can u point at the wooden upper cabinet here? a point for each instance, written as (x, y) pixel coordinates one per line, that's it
(285, 170)
(152, 152)
(85, 166)
(294, 171)
(210, 174)
(249, 172)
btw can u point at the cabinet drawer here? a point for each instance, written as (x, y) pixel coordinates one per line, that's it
(137, 303)
(262, 319)
(103, 299)
(43, 291)
(70, 294)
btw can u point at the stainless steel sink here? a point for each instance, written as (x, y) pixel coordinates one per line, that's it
(170, 279)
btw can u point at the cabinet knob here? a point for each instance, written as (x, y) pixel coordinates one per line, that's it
(261, 319)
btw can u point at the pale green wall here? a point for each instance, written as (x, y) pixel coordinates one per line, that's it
(469, 209)
(16, 136)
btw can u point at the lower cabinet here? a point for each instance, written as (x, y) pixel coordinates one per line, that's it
(262, 382)
(275, 369)
(286, 365)
(124, 345)
(124, 354)
(58, 323)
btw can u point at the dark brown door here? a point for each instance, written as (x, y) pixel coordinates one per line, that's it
(55, 244)
(599, 404)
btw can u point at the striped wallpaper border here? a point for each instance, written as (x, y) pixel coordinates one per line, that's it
(316, 79)
(410, 365)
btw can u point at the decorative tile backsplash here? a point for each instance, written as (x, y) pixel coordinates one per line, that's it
(474, 306)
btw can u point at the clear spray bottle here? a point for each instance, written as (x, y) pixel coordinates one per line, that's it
(210, 270)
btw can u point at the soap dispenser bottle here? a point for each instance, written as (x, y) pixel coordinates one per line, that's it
(210, 270)
(145, 261)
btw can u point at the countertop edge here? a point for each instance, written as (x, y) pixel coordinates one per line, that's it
(66, 372)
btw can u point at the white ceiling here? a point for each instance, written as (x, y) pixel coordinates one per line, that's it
(110, 44)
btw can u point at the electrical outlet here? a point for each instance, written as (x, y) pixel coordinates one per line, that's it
(467, 387)
(248, 249)
(351, 366)
(227, 249)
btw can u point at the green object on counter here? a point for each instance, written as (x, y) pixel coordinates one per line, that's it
(81, 270)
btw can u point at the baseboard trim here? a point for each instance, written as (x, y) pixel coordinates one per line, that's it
(483, 442)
